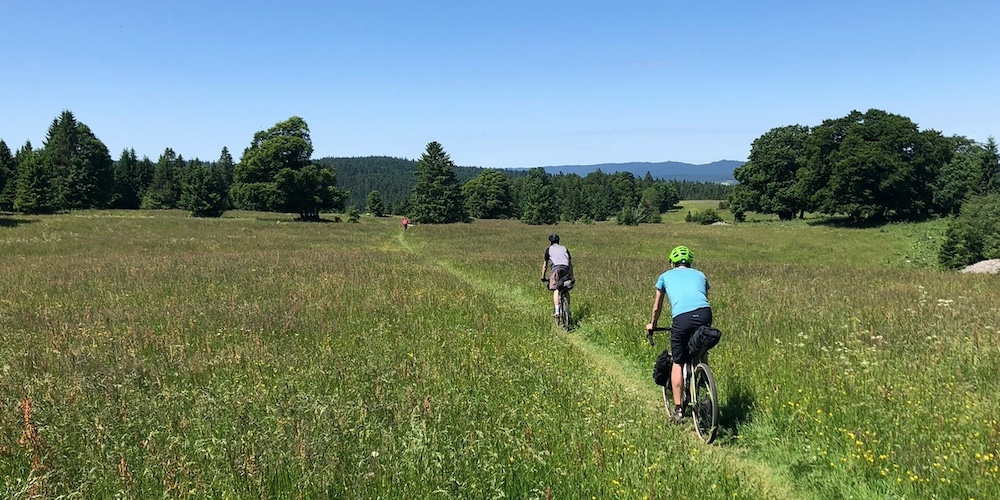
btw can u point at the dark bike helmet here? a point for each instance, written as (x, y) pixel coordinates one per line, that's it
(553, 238)
(681, 255)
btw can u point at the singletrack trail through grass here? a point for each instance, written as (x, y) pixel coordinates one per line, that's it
(631, 377)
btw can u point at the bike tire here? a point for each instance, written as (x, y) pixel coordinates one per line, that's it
(565, 315)
(704, 403)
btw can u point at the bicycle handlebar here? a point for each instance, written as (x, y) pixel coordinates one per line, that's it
(649, 333)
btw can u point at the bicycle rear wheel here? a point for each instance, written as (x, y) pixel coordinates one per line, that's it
(565, 316)
(704, 402)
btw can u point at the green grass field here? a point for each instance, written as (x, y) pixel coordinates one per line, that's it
(151, 354)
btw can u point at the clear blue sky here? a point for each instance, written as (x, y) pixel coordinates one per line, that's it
(507, 83)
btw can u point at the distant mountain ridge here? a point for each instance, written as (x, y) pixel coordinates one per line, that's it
(717, 171)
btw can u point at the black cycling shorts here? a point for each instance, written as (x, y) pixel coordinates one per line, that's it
(683, 327)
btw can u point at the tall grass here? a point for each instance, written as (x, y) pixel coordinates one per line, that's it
(848, 365)
(150, 354)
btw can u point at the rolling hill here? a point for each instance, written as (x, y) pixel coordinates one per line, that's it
(717, 171)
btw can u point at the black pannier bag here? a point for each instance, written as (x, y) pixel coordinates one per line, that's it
(703, 339)
(661, 370)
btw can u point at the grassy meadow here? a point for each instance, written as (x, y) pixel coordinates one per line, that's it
(151, 354)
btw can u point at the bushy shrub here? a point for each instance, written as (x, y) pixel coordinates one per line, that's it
(973, 235)
(636, 216)
(705, 217)
(353, 215)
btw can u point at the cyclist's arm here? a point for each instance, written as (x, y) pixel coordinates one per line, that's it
(657, 307)
(545, 262)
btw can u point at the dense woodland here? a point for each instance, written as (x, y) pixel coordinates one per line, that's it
(868, 167)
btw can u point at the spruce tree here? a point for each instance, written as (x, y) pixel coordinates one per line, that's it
(8, 177)
(35, 191)
(436, 197)
(374, 204)
(165, 187)
(538, 204)
(203, 192)
(128, 193)
(80, 164)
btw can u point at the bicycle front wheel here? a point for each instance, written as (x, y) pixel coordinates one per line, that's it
(705, 402)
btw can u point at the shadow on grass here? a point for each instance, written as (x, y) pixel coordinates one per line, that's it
(10, 222)
(580, 313)
(735, 413)
(873, 223)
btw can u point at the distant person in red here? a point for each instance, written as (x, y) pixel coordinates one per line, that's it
(406, 223)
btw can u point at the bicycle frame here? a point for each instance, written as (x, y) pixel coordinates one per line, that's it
(697, 389)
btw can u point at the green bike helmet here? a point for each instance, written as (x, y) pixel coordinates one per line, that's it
(681, 255)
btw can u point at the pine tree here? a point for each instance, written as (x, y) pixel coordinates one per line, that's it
(538, 199)
(35, 191)
(8, 177)
(165, 187)
(436, 197)
(80, 164)
(225, 167)
(127, 189)
(203, 192)
(374, 204)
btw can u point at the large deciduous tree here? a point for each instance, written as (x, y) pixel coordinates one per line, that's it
(875, 165)
(488, 195)
(769, 179)
(276, 173)
(436, 197)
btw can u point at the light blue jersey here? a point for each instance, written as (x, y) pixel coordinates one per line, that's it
(686, 288)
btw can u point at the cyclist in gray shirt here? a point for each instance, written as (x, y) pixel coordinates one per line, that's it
(562, 268)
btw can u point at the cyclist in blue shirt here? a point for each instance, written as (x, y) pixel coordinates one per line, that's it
(687, 290)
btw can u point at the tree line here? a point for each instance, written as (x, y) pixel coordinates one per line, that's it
(74, 170)
(536, 197)
(868, 167)
(392, 179)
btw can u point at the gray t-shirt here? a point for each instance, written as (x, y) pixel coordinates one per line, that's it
(557, 254)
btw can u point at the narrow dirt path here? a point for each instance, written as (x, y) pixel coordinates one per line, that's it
(633, 381)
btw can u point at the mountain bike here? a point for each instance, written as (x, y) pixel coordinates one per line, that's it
(697, 390)
(565, 317)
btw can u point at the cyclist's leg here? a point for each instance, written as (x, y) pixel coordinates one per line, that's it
(554, 278)
(680, 333)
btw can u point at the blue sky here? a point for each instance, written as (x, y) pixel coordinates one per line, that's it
(499, 84)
